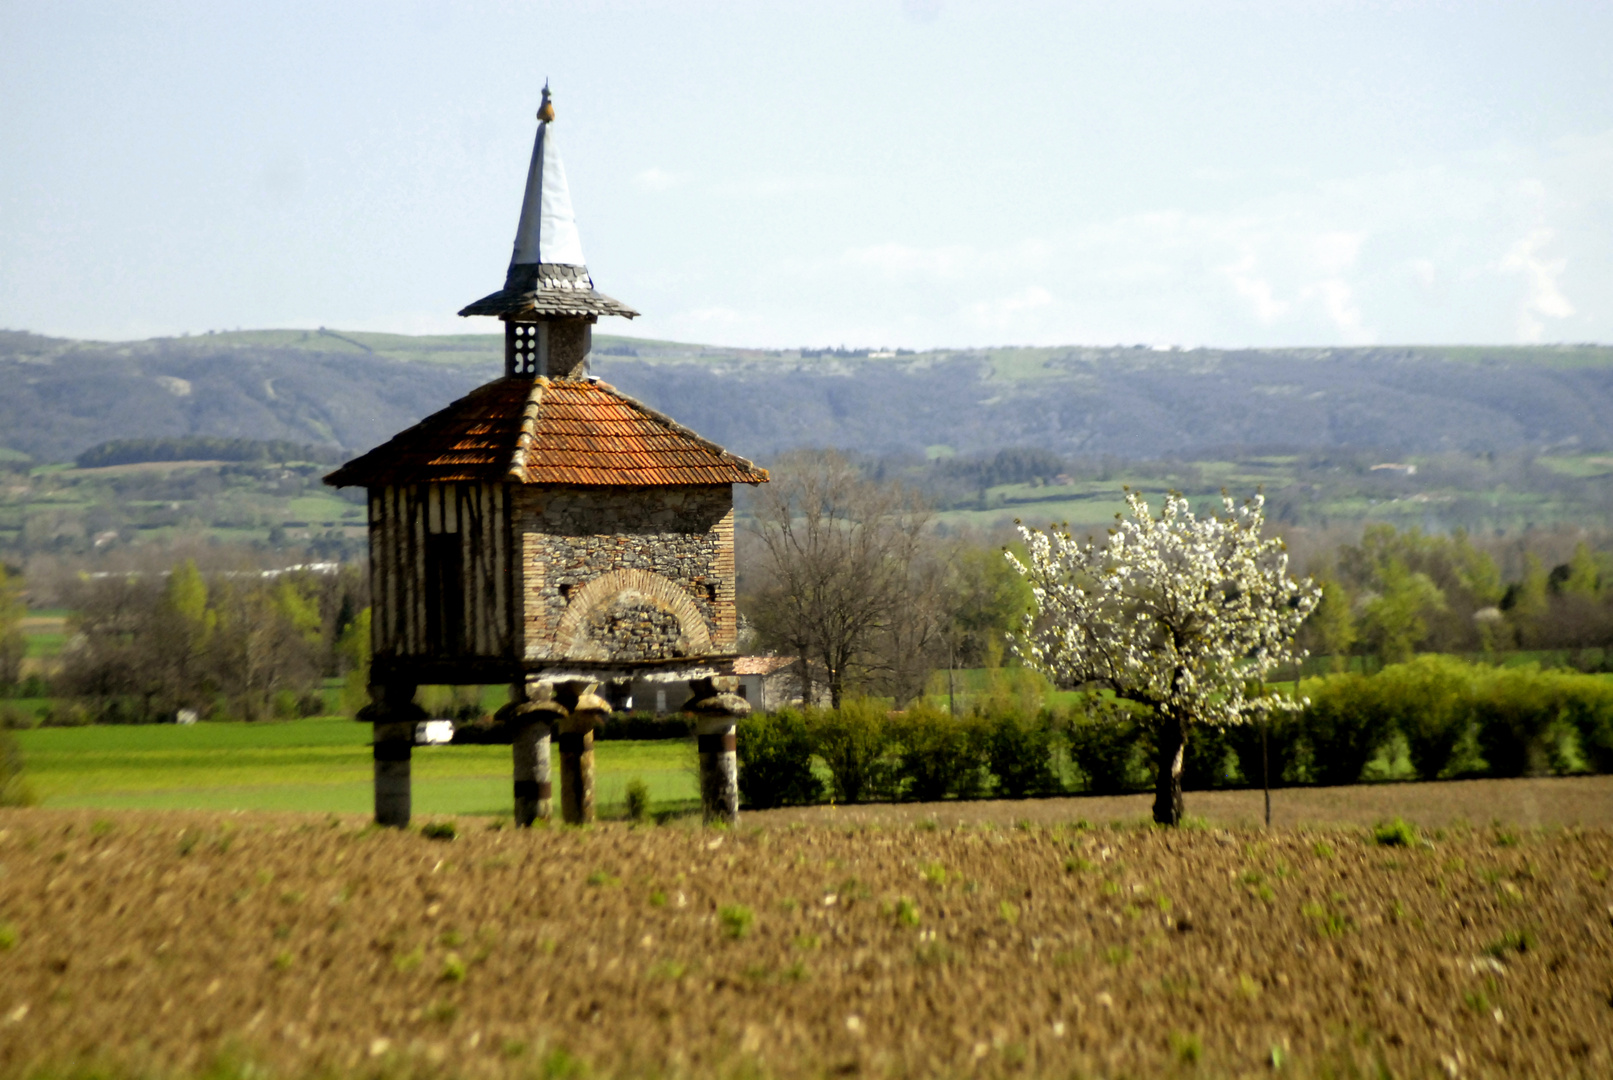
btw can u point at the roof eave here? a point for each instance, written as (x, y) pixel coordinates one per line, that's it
(548, 302)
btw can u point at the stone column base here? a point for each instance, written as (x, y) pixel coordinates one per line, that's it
(393, 795)
(584, 708)
(531, 717)
(393, 715)
(717, 707)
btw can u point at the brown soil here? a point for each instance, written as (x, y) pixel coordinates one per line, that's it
(1529, 803)
(169, 943)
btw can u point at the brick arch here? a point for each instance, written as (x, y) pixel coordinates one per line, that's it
(641, 586)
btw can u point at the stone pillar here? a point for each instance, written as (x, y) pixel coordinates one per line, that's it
(584, 708)
(577, 772)
(393, 714)
(531, 725)
(531, 717)
(534, 792)
(717, 707)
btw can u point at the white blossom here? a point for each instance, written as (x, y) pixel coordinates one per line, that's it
(1181, 613)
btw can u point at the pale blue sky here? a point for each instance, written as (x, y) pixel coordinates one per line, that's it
(929, 173)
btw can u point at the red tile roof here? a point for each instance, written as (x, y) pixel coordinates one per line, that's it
(579, 433)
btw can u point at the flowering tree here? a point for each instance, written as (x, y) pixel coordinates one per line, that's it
(1178, 613)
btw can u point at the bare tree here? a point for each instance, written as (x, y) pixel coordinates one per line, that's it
(145, 646)
(109, 657)
(912, 640)
(842, 556)
(269, 646)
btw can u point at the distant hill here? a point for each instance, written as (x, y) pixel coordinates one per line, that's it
(349, 391)
(58, 398)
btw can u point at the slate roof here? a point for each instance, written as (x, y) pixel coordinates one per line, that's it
(548, 289)
(573, 432)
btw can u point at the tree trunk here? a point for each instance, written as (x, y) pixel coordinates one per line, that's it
(1168, 782)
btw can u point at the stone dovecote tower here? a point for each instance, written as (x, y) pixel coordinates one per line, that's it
(551, 533)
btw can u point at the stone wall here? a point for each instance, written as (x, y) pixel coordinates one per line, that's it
(626, 574)
(570, 342)
(635, 631)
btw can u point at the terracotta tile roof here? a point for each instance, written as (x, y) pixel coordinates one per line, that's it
(579, 433)
(761, 665)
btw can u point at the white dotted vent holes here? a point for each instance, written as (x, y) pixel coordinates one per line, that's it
(521, 348)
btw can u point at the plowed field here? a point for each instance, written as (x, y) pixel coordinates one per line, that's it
(182, 943)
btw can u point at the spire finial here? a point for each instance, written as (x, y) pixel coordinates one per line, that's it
(546, 110)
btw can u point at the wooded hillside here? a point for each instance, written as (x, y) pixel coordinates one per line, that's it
(353, 390)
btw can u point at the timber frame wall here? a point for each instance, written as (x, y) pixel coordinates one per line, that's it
(440, 555)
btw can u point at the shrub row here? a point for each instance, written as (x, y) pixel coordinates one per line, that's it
(1455, 719)
(1458, 719)
(869, 753)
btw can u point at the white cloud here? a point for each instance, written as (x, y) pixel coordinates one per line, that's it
(954, 261)
(1005, 312)
(1338, 300)
(1257, 290)
(772, 187)
(657, 179)
(713, 316)
(714, 324)
(921, 11)
(901, 261)
(1335, 252)
(1542, 276)
(1413, 255)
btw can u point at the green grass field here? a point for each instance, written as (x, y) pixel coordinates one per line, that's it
(319, 765)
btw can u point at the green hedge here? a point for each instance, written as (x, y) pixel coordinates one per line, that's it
(1286, 755)
(1347, 722)
(1459, 719)
(941, 758)
(1456, 719)
(775, 761)
(1430, 701)
(1109, 746)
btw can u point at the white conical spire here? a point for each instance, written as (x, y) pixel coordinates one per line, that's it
(548, 277)
(548, 230)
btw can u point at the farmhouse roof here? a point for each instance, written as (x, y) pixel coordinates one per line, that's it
(761, 665)
(572, 432)
(548, 275)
